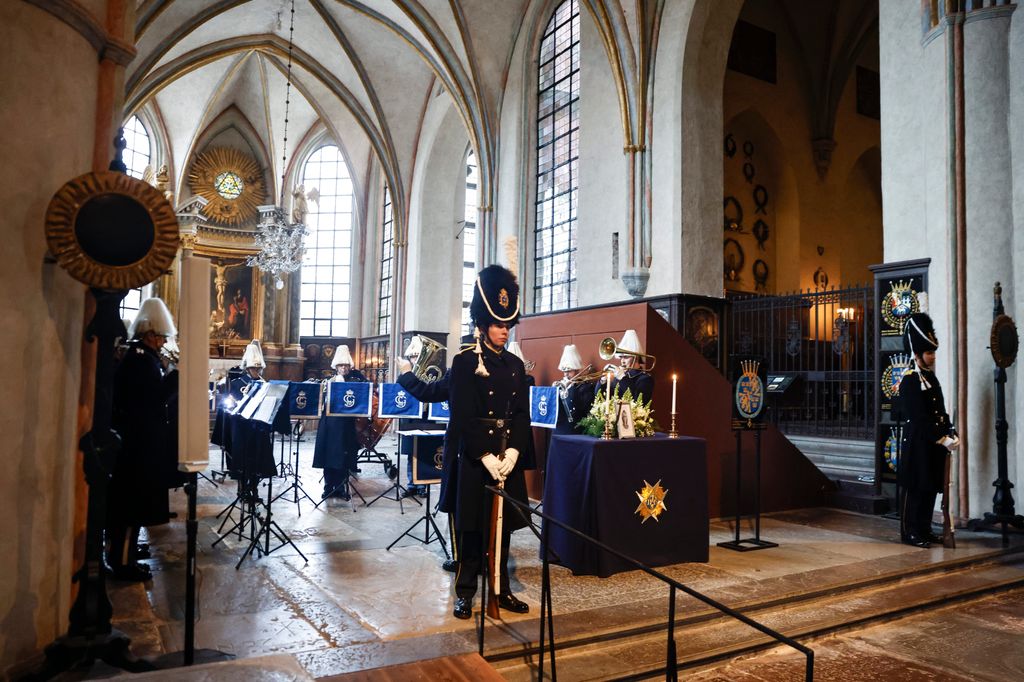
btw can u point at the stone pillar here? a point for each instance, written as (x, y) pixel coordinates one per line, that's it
(989, 205)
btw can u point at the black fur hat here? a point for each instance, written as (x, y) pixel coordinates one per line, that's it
(919, 334)
(495, 298)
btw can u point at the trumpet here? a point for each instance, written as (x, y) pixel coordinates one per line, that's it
(609, 349)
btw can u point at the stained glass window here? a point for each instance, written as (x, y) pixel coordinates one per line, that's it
(327, 266)
(558, 88)
(138, 152)
(229, 185)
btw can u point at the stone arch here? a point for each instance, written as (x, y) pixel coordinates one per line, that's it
(862, 240)
(434, 272)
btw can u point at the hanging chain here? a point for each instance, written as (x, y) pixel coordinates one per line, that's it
(287, 104)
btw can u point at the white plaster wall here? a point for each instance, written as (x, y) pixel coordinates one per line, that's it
(434, 290)
(603, 193)
(989, 215)
(48, 140)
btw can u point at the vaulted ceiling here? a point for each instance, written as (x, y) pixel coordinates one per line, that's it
(364, 70)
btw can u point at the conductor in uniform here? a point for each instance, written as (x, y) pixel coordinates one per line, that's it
(142, 387)
(337, 447)
(928, 435)
(628, 376)
(488, 429)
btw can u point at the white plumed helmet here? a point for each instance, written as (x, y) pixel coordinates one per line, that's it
(571, 360)
(342, 356)
(153, 317)
(631, 342)
(253, 356)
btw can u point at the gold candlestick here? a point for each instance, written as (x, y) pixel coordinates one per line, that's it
(609, 432)
(672, 433)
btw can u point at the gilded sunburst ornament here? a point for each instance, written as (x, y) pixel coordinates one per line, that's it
(231, 181)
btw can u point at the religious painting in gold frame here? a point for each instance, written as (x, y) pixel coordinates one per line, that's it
(236, 301)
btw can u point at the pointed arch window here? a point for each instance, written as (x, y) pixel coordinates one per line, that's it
(327, 267)
(386, 265)
(558, 94)
(468, 237)
(138, 152)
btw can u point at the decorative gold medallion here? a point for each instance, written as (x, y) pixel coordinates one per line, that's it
(652, 501)
(231, 182)
(111, 231)
(503, 298)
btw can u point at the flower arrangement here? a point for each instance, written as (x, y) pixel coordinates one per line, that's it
(643, 416)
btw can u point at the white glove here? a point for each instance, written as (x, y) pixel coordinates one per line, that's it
(509, 462)
(493, 466)
(403, 365)
(951, 443)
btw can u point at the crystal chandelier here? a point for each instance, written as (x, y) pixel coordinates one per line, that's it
(281, 244)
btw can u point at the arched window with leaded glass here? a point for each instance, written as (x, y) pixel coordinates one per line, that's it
(558, 94)
(327, 267)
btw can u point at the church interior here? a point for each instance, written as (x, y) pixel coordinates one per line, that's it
(765, 192)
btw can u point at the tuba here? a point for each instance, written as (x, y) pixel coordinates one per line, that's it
(428, 366)
(609, 349)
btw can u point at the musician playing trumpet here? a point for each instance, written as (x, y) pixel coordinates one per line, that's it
(628, 375)
(253, 365)
(575, 390)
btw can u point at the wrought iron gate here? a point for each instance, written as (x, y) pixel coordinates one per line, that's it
(824, 340)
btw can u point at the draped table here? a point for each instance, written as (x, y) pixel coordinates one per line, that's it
(594, 486)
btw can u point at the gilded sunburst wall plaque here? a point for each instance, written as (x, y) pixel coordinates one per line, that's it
(231, 181)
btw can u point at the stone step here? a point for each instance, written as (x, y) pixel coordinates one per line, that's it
(704, 638)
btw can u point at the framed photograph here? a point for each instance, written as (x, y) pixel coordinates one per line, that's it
(625, 421)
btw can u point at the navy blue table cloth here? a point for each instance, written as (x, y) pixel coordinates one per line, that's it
(592, 485)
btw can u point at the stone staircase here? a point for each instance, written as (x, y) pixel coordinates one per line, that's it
(704, 637)
(850, 464)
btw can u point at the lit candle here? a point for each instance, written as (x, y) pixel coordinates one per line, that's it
(608, 392)
(673, 394)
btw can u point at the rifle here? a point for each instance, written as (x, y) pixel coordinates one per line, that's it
(497, 522)
(948, 540)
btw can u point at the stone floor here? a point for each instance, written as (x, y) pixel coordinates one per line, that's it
(352, 604)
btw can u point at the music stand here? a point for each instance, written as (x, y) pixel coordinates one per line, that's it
(295, 487)
(395, 483)
(431, 532)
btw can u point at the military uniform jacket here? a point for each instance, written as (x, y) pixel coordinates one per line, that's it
(240, 386)
(638, 382)
(336, 436)
(502, 395)
(434, 392)
(138, 489)
(577, 398)
(922, 459)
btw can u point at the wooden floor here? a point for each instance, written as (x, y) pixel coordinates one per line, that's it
(468, 667)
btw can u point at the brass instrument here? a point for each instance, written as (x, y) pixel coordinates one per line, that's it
(609, 349)
(171, 352)
(428, 367)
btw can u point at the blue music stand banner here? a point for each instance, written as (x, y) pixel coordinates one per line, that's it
(544, 406)
(439, 412)
(349, 398)
(398, 403)
(304, 399)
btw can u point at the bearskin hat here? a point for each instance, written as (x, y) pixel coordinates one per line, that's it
(919, 334)
(495, 298)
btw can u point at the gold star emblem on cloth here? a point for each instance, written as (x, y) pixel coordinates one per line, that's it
(503, 298)
(652, 501)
